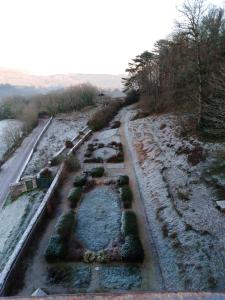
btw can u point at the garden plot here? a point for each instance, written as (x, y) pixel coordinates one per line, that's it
(188, 229)
(98, 218)
(14, 219)
(9, 129)
(53, 140)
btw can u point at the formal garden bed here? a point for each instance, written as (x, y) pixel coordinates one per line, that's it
(98, 228)
(111, 152)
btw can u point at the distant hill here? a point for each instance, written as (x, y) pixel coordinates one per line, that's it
(19, 78)
(7, 90)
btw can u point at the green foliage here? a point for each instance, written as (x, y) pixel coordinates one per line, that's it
(80, 181)
(65, 226)
(123, 180)
(132, 250)
(126, 196)
(129, 223)
(74, 196)
(132, 96)
(56, 249)
(97, 172)
(72, 163)
(89, 256)
(102, 117)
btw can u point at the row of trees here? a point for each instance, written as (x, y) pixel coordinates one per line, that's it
(188, 69)
(27, 109)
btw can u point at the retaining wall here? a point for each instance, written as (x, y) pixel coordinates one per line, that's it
(7, 275)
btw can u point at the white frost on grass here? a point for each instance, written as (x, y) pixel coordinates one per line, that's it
(4, 125)
(188, 230)
(14, 219)
(60, 130)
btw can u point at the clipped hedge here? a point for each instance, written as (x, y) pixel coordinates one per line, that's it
(102, 117)
(56, 249)
(132, 249)
(74, 196)
(129, 223)
(97, 172)
(123, 180)
(65, 225)
(126, 196)
(79, 181)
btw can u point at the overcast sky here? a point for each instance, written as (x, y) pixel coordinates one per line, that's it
(81, 36)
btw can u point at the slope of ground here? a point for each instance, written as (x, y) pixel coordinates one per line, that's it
(187, 227)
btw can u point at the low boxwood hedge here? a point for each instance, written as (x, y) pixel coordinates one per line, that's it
(123, 180)
(65, 226)
(132, 249)
(129, 223)
(126, 196)
(74, 196)
(80, 181)
(97, 172)
(56, 249)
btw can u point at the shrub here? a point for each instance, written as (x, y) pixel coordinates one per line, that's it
(118, 158)
(72, 163)
(68, 144)
(102, 256)
(102, 117)
(123, 180)
(115, 124)
(88, 153)
(65, 226)
(80, 181)
(132, 97)
(97, 172)
(93, 160)
(126, 195)
(132, 250)
(56, 249)
(89, 256)
(129, 223)
(74, 196)
(44, 178)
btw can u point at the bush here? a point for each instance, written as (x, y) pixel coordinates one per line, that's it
(74, 196)
(123, 180)
(132, 250)
(129, 223)
(102, 117)
(118, 158)
(93, 160)
(56, 249)
(68, 144)
(44, 178)
(115, 124)
(89, 256)
(72, 163)
(80, 181)
(65, 226)
(132, 97)
(126, 195)
(97, 172)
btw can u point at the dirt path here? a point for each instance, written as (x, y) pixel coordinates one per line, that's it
(152, 267)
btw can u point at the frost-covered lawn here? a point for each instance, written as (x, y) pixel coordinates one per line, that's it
(98, 218)
(120, 277)
(7, 126)
(62, 128)
(14, 219)
(188, 229)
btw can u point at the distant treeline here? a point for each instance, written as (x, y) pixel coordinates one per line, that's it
(27, 109)
(186, 71)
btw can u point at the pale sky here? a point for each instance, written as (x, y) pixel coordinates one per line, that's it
(81, 36)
